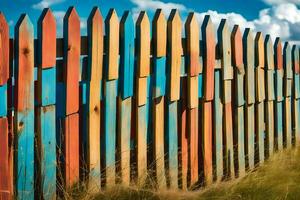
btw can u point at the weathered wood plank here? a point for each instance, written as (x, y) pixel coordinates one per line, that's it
(206, 142)
(71, 60)
(110, 130)
(71, 150)
(269, 136)
(259, 132)
(159, 34)
(193, 142)
(287, 62)
(228, 136)
(218, 128)
(248, 51)
(227, 76)
(159, 42)
(4, 50)
(4, 167)
(279, 94)
(225, 50)
(46, 140)
(112, 45)
(172, 143)
(296, 94)
(287, 122)
(94, 79)
(175, 51)
(183, 137)
(142, 131)
(24, 109)
(238, 92)
(46, 125)
(143, 45)
(249, 136)
(259, 50)
(192, 42)
(124, 132)
(158, 131)
(126, 78)
(287, 87)
(209, 51)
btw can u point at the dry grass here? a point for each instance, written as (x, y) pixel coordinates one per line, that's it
(278, 178)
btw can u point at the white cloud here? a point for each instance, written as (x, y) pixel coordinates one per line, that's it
(277, 2)
(46, 4)
(280, 20)
(152, 5)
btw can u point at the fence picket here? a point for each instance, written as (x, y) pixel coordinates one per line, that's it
(227, 76)
(95, 61)
(110, 93)
(279, 94)
(296, 95)
(159, 40)
(287, 87)
(238, 93)
(270, 96)
(71, 81)
(126, 76)
(24, 107)
(46, 126)
(260, 97)
(206, 104)
(193, 49)
(5, 176)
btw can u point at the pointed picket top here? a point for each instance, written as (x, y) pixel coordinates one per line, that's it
(159, 26)
(248, 46)
(143, 38)
(71, 16)
(269, 54)
(24, 23)
(295, 57)
(287, 61)
(209, 53)
(278, 54)
(225, 49)
(4, 50)
(47, 39)
(193, 49)
(259, 50)
(237, 46)
(95, 36)
(112, 47)
(174, 23)
(175, 52)
(126, 72)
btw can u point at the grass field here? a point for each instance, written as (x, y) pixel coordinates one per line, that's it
(278, 178)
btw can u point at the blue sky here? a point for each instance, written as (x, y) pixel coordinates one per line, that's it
(276, 17)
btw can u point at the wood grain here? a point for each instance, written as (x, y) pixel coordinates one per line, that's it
(24, 109)
(4, 50)
(143, 45)
(175, 51)
(208, 57)
(112, 45)
(71, 60)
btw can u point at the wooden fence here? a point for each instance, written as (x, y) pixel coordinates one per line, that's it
(125, 104)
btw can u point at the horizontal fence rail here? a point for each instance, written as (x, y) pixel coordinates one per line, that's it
(135, 103)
